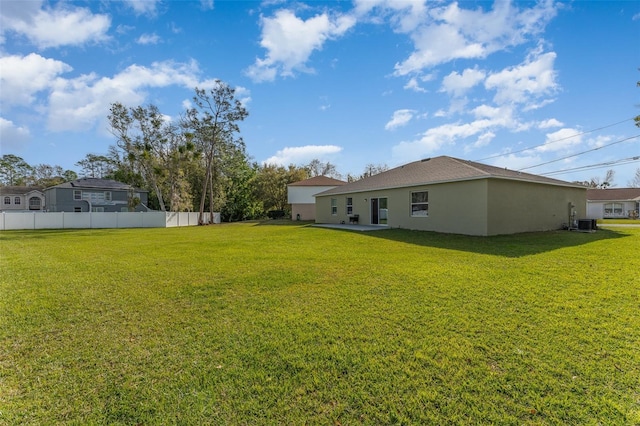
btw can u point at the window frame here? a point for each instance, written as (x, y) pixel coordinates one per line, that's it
(16, 201)
(334, 206)
(615, 209)
(7, 201)
(349, 205)
(419, 203)
(77, 194)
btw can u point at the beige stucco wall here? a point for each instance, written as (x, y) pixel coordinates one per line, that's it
(529, 207)
(475, 207)
(306, 211)
(458, 207)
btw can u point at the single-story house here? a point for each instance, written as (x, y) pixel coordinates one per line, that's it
(96, 195)
(21, 198)
(451, 195)
(300, 195)
(613, 203)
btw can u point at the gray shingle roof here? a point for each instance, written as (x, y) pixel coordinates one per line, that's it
(18, 190)
(613, 194)
(440, 170)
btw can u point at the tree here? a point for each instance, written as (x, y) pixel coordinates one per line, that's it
(213, 125)
(240, 203)
(96, 166)
(152, 149)
(596, 182)
(46, 175)
(14, 170)
(318, 168)
(635, 182)
(369, 170)
(271, 185)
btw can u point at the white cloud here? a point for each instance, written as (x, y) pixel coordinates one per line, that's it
(560, 140)
(290, 41)
(547, 124)
(12, 136)
(446, 33)
(517, 162)
(487, 120)
(148, 39)
(413, 84)
(206, 4)
(400, 118)
(458, 84)
(143, 7)
(77, 104)
(53, 27)
(302, 154)
(533, 78)
(23, 77)
(405, 15)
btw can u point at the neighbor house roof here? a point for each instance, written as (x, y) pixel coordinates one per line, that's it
(613, 194)
(19, 190)
(319, 181)
(95, 183)
(439, 170)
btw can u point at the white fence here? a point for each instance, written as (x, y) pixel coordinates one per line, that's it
(62, 220)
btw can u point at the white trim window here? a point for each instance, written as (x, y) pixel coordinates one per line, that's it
(16, 201)
(420, 204)
(7, 201)
(349, 205)
(334, 206)
(77, 194)
(613, 209)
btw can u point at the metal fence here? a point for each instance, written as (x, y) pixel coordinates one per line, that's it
(68, 220)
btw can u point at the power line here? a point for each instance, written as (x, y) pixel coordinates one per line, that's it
(556, 140)
(580, 153)
(620, 162)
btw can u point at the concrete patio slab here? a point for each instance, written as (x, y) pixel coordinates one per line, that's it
(351, 227)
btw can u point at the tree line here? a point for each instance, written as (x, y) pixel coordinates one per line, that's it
(197, 163)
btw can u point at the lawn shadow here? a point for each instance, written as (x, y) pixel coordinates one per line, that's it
(515, 245)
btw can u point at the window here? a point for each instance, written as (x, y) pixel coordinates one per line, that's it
(349, 205)
(77, 194)
(334, 206)
(34, 203)
(95, 197)
(77, 209)
(613, 209)
(7, 200)
(97, 209)
(16, 200)
(420, 203)
(107, 196)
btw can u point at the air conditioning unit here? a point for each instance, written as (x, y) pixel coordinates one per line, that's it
(587, 225)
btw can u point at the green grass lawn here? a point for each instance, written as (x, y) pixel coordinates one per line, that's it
(618, 221)
(291, 324)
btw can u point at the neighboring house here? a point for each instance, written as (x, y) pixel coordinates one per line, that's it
(96, 195)
(21, 198)
(613, 203)
(300, 195)
(446, 194)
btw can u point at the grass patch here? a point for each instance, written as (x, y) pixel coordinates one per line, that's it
(291, 324)
(619, 221)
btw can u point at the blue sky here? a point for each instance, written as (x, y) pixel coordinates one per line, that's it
(541, 86)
